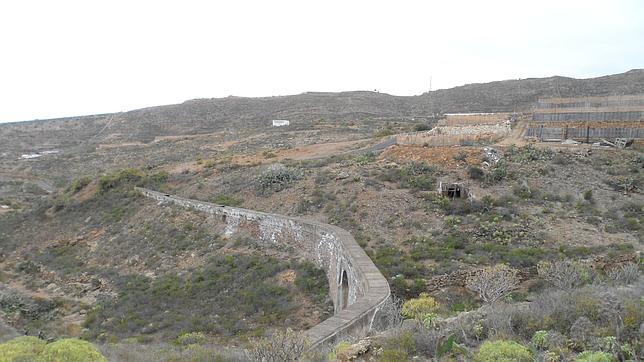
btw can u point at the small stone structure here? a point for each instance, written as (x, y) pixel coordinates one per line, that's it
(357, 287)
(454, 190)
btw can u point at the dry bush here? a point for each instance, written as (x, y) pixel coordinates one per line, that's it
(281, 346)
(581, 332)
(492, 283)
(499, 320)
(167, 352)
(624, 274)
(389, 315)
(565, 275)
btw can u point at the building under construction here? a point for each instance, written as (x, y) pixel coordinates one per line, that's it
(588, 119)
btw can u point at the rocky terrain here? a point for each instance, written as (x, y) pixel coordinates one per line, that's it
(83, 255)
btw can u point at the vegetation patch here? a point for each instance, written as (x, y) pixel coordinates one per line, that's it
(413, 175)
(231, 295)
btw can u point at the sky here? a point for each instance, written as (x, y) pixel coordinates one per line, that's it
(65, 58)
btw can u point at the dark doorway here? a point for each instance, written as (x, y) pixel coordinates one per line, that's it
(454, 191)
(345, 290)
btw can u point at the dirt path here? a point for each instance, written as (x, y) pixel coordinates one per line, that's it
(516, 136)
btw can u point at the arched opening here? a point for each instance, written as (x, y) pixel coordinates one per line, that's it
(344, 290)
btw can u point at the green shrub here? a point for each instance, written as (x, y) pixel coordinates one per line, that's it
(419, 127)
(71, 350)
(496, 174)
(540, 339)
(276, 178)
(384, 132)
(186, 339)
(131, 177)
(312, 280)
(503, 351)
(333, 355)
(78, 184)
(393, 355)
(227, 200)
(475, 173)
(403, 341)
(21, 349)
(413, 175)
(418, 308)
(418, 175)
(528, 153)
(367, 158)
(590, 356)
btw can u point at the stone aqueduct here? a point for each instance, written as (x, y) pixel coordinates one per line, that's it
(357, 287)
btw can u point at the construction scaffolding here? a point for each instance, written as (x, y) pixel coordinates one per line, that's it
(588, 119)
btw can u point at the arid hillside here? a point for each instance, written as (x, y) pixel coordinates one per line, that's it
(237, 115)
(83, 254)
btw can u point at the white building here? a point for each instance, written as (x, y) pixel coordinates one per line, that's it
(280, 122)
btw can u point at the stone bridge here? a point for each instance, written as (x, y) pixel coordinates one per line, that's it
(357, 287)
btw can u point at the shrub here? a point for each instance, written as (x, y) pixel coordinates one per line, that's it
(419, 127)
(269, 154)
(560, 159)
(475, 173)
(496, 174)
(418, 308)
(282, 345)
(503, 351)
(339, 348)
(588, 195)
(393, 355)
(418, 175)
(581, 331)
(589, 356)
(529, 153)
(494, 282)
(402, 340)
(313, 280)
(131, 177)
(21, 349)
(540, 339)
(276, 178)
(384, 132)
(227, 200)
(389, 315)
(624, 274)
(186, 339)
(565, 274)
(72, 350)
(461, 156)
(78, 184)
(366, 158)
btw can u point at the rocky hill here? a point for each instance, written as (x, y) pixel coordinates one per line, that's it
(235, 114)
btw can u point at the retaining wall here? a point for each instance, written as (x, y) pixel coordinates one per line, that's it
(582, 134)
(357, 287)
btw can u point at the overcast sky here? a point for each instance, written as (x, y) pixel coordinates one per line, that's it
(64, 58)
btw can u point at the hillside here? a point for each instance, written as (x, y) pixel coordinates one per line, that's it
(236, 115)
(520, 95)
(83, 254)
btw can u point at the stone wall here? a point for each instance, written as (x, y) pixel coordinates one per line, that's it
(357, 287)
